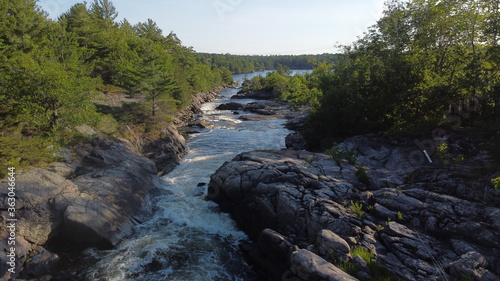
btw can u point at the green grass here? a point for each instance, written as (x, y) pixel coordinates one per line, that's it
(378, 272)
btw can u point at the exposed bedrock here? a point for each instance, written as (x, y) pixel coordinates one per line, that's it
(316, 211)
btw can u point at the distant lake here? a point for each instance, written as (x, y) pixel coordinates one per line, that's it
(241, 77)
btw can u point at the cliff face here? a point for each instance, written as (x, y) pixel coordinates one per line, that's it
(421, 222)
(94, 199)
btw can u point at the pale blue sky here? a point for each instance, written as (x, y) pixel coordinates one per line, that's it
(255, 27)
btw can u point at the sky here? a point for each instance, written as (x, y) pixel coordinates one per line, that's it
(250, 27)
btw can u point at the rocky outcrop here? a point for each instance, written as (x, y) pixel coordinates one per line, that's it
(167, 151)
(256, 95)
(320, 209)
(187, 115)
(94, 198)
(231, 106)
(96, 205)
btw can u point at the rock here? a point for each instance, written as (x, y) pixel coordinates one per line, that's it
(260, 117)
(362, 266)
(311, 267)
(256, 95)
(295, 141)
(65, 155)
(298, 121)
(200, 124)
(41, 264)
(185, 116)
(281, 191)
(86, 130)
(330, 245)
(97, 208)
(271, 253)
(230, 106)
(471, 264)
(166, 152)
(413, 232)
(62, 169)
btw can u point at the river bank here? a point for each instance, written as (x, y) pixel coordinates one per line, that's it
(309, 214)
(93, 199)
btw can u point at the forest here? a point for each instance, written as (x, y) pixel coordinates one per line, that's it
(246, 64)
(425, 64)
(52, 72)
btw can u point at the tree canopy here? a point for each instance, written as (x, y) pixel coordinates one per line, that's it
(426, 63)
(51, 73)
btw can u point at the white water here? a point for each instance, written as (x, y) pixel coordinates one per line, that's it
(189, 238)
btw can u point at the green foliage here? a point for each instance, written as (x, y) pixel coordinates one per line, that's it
(310, 159)
(422, 65)
(336, 154)
(379, 273)
(300, 90)
(357, 208)
(107, 124)
(20, 151)
(339, 154)
(400, 216)
(246, 64)
(362, 176)
(447, 158)
(496, 183)
(51, 72)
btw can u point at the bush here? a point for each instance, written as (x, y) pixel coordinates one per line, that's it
(107, 124)
(19, 151)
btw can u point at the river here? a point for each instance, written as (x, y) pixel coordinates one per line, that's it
(188, 238)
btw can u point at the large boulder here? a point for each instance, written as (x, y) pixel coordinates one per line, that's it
(98, 207)
(312, 267)
(282, 191)
(256, 95)
(231, 106)
(167, 151)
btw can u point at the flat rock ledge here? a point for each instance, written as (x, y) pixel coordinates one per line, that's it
(300, 209)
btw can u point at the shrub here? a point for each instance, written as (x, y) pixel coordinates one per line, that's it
(357, 208)
(496, 183)
(362, 176)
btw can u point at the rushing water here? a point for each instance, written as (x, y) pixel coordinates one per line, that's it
(189, 238)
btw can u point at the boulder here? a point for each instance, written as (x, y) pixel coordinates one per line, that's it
(256, 95)
(231, 106)
(86, 130)
(295, 141)
(270, 253)
(98, 208)
(330, 245)
(167, 151)
(282, 191)
(471, 264)
(311, 267)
